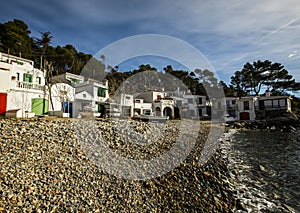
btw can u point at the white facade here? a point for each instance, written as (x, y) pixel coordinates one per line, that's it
(73, 95)
(142, 108)
(161, 104)
(272, 106)
(218, 107)
(196, 105)
(274, 103)
(63, 94)
(62, 98)
(231, 109)
(91, 95)
(246, 108)
(164, 107)
(23, 85)
(240, 108)
(256, 107)
(68, 78)
(127, 105)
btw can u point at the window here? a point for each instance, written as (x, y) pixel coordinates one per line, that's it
(228, 104)
(101, 92)
(268, 104)
(137, 101)
(84, 95)
(233, 102)
(275, 103)
(179, 102)
(190, 101)
(192, 113)
(147, 112)
(38, 80)
(282, 103)
(200, 100)
(27, 77)
(246, 105)
(100, 108)
(18, 76)
(74, 80)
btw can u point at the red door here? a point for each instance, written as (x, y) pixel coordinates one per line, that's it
(244, 116)
(3, 100)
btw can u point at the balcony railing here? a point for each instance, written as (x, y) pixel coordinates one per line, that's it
(27, 85)
(270, 107)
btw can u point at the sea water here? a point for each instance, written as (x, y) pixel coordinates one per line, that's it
(270, 163)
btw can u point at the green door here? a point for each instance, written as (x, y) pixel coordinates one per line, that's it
(39, 106)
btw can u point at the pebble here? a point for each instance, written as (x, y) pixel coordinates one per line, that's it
(44, 168)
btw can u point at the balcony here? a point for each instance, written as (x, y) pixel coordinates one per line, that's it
(27, 85)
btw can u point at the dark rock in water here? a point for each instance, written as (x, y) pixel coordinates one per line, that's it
(287, 123)
(272, 128)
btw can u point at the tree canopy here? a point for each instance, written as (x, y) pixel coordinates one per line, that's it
(263, 75)
(15, 39)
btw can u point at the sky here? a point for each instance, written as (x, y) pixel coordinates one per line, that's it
(227, 33)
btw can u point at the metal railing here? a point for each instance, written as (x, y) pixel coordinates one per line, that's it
(28, 85)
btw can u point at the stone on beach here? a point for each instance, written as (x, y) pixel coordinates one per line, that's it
(44, 168)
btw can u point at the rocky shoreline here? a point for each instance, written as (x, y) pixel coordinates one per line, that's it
(44, 169)
(287, 124)
(247, 188)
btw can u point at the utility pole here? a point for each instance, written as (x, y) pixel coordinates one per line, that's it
(41, 63)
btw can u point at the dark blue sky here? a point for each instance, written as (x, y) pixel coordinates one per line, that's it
(227, 33)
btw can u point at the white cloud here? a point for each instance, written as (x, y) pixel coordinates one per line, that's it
(229, 33)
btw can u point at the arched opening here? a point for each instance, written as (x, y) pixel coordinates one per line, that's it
(157, 111)
(167, 111)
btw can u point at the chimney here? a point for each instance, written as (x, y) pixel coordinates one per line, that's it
(268, 93)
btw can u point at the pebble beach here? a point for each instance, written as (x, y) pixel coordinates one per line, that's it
(44, 168)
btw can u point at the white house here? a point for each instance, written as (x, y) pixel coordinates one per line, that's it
(22, 87)
(246, 108)
(162, 103)
(217, 108)
(164, 107)
(61, 102)
(256, 107)
(62, 99)
(272, 106)
(188, 105)
(91, 95)
(74, 96)
(127, 105)
(141, 107)
(231, 109)
(196, 105)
